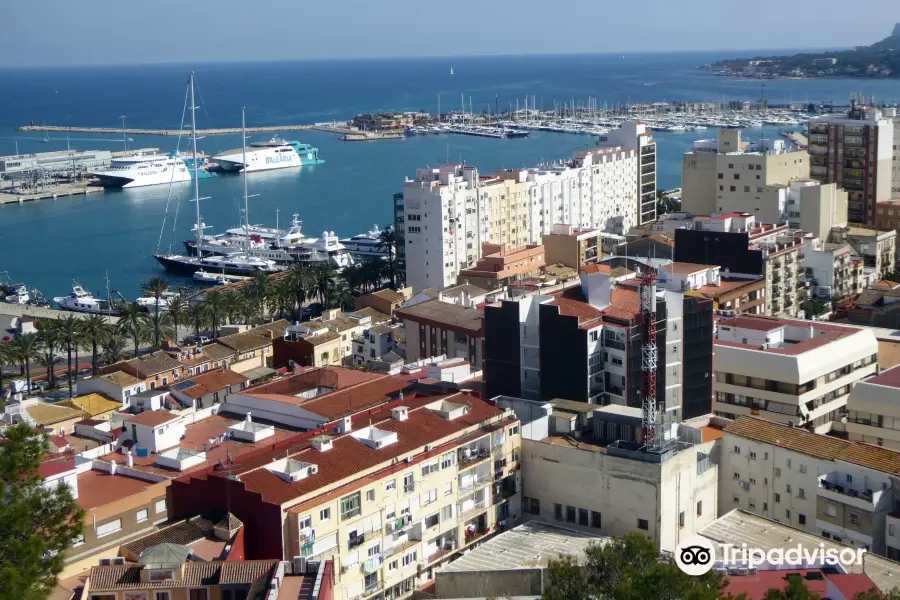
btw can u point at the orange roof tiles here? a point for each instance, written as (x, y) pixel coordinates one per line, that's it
(195, 574)
(152, 418)
(683, 268)
(350, 456)
(209, 382)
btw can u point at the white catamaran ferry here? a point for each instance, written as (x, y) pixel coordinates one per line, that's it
(273, 154)
(143, 169)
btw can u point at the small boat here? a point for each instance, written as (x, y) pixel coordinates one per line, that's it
(19, 296)
(150, 303)
(207, 278)
(451, 70)
(82, 301)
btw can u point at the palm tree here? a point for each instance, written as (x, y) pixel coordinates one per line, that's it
(114, 346)
(69, 328)
(339, 295)
(197, 316)
(50, 343)
(155, 286)
(260, 290)
(95, 329)
(388, 241)
(231, 305)
(177, 311)
(281, 300)
(324, 278)
(249, 309)
(6, 358)
(26, 349)
(353, 275)
(301, 280)
(370, 273)
(215, 308)
(131, 323)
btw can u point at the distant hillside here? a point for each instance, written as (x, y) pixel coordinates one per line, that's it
(881, 59)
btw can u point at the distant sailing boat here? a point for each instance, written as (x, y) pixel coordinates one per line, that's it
(451, 70)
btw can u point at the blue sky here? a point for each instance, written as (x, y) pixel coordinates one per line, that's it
(68, 32)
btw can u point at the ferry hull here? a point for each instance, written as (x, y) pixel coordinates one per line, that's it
(108, 180)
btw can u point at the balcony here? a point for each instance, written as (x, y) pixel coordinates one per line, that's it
(834, 486)
(398, 524)
(468, 509)
(354, 542)
(473, 454)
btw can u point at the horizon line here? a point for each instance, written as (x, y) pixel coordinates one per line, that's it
(401, 57)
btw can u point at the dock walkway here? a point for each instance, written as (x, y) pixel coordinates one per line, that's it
(20, 310)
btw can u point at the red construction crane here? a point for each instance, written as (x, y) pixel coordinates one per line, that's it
(651, 416)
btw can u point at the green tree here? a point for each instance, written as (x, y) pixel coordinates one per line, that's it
(6, 358)
(95, 330)
(795, 590)
(177, 310)
(50, 343)
(259, 290)
(26, 348)
(215, 309)
(197, 316)
(37, 522)
(388, 242)
(114, 346)
(132, 322)
(155, 287)
(302, 282)
(281, 298)
(629, 567)
(231, 305)
(69, 328)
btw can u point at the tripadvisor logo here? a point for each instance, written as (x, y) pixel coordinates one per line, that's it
(697, 556)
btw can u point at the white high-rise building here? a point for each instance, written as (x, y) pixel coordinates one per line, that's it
(634, 135)
(451, 211)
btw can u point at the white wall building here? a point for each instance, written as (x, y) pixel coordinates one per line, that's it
(449, 211)
(821, 484)
(155, 430)
(874, 410)
(634, 135)
(789, 371)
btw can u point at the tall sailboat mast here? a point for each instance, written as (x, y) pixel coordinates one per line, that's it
(196, 176)
(244, 162)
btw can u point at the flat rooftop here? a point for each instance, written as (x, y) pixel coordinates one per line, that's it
(888, 378)
(452, 316)
(824, 334)
(530, 545)
(96, 488)
(738, 527)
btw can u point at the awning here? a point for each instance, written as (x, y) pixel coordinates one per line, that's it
(258, 373)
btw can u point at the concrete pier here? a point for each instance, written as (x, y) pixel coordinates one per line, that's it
(161, 132)
(56, 190)
(20, 310)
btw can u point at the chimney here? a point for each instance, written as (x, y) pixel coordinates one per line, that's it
(812, 331)
(129, 459)
(112, 467)
(249, 419)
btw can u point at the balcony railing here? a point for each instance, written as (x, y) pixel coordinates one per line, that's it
(467, 457)
(470, 509)
(475, 482)
(356, 541)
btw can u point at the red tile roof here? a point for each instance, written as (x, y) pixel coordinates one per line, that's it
(755, 587)
(152, 418)
(624, 305)
(825, 333)
(209, 382)
(350, 456)
(683, 268)
(754, 323)
(96, 488)
(729, 215)
(888, 378)
(54, 467)
(195, 574)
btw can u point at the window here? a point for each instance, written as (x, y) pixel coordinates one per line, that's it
(142, 515)
(409, 483)
(891, 530)
(595, 519)
(849, 478)
(777, 471)
(447, 460)
(448, 488)
(570, 514)
(752, 455)
(447, 513)
(803, 468)
(643, 524)
(800, 493)
(392, 566)
(429, 468)
(681, 519)
(787, 515)
(429, 497)
(325, 514)
(854, 518)
(777, 497)
(514, 430)
(109, 528)
(390, 485)
(731, 188)
(788, 463)
(370, 495)
(737, 449)
(374, 549)
(557, 512)
(305, 522)
(700, 508)
(350, 506)
(160, 506)
(831, 511)
(735, 499)
(787, 488)
(408, 559)
(801, 518)
(583, 518)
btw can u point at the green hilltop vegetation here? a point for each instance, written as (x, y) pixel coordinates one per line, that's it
(881, 59)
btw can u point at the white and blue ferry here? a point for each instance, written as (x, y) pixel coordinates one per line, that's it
(264, 156)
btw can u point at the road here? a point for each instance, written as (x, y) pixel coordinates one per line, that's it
(20, 310)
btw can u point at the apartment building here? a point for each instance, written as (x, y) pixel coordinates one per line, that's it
(573, 247)
(436, 328)
(831, 269)
(887, 213)
(584, 344)
(746, 296)
(595, 476)
(878, 250)
(729, 174)
(873, 410)
(499, 267)
(854, 150)
(840, 490)
(746, 249)
(388, 499)
(796, 373)
(449, 212)
(893, 114)
(634, 135)
(815, 207)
